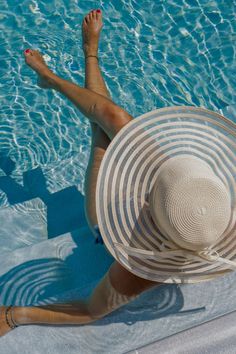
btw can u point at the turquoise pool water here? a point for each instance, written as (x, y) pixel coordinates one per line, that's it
(152, 54)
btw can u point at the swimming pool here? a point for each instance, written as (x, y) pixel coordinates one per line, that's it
(152, 53)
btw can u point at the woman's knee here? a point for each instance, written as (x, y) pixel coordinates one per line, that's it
(110, 111)
(118, 114)
(118, 118)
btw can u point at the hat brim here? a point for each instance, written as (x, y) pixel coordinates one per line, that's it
(128, 172)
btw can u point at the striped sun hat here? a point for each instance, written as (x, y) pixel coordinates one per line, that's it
(165, 196)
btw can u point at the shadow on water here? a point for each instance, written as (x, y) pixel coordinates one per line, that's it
(42, 281)
(65, 208)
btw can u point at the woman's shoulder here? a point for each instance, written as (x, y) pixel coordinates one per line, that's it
(127, 283)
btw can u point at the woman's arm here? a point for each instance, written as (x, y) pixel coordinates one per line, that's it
(104, 299)
(56, 314)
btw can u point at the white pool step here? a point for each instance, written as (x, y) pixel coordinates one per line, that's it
(25, 224)
(22, 225)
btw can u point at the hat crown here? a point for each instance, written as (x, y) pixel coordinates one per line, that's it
(189, 204)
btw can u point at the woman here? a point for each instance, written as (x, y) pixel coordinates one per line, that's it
(106, 120)
(166, 209)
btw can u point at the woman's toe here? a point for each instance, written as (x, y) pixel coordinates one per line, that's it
(33, 52)
(27, 52)
(94, 14)
(87, 18)
(38, 53)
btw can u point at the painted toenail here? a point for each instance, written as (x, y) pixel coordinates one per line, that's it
(98, 11)
(27, 51)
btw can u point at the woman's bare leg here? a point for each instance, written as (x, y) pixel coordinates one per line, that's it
(91, 27)
(97, 108)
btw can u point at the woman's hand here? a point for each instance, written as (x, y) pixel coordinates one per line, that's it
(4, 328)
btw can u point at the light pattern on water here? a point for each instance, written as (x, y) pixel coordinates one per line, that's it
(152, 54)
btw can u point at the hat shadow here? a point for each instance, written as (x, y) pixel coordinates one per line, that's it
(54, 277)
(161, 301)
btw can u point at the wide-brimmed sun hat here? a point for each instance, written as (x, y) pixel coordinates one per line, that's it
(165, 195)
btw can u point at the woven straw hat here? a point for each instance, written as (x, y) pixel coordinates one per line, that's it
(165, 196)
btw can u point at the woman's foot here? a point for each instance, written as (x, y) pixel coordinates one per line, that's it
(91, 28)
(35, 60)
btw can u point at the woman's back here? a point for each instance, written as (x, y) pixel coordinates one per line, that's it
(127, 283)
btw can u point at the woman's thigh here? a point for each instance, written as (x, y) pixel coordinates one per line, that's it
(100, 142)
